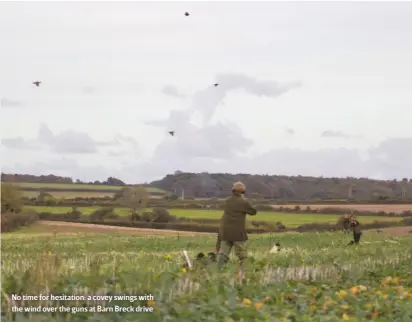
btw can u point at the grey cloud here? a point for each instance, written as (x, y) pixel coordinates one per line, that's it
(88, 90)
(69, 141)
(206, 101)
(392, 158)
(45, 135)
(290, 131)
(117, 153)
(335, 134)
(5, 102)
(172, 91)
(253, 86)
(73, 142)
(18, 143)
(219, 140)
(122, 138)
(79, 142)
(157, 122)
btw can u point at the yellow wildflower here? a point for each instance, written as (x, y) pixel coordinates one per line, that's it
(345, 307)
(341, 294)
(313, 308)
(327, 303)
(168, 257)
(345, 317)
(387, 280)
(391, 281)
(247, 302)
(259, 305)
(228, 319)
(380, 293)
(50, 252)
(184, 270)
(151, 303)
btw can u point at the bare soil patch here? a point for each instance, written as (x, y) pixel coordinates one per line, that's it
(73, 228)
(386, 208)
(393, 231)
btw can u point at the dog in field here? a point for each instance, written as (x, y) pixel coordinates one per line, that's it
(202, 260)
(276, 249)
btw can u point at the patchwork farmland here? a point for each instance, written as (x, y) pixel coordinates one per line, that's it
(71, 191)
(291, 220)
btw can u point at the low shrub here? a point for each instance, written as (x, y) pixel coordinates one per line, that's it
(13, 221)
(74, 214)
(162, 215)
(407, 221)
(103, 213)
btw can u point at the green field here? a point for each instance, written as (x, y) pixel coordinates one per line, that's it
(71, 187)
(70, 194)
(317, 278)
(290, 220)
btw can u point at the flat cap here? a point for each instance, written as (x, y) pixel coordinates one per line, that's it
(239, 186)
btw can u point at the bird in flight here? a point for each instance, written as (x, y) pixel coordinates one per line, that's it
(216, 85)
(37, 83)
(172, 133)
(186, 14)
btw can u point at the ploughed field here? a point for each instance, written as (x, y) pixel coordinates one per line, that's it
(290, 220)
(373, 208)
(316, 278)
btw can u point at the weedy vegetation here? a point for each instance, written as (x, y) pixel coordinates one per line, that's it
(316, 278)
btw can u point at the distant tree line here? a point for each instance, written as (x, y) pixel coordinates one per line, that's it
(51, 178)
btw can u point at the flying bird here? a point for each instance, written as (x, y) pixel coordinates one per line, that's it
(186, 14)
(172, 133)
(216, 85)
(37, 83)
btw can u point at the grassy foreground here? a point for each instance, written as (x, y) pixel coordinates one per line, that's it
(288, 219)
(317, 278)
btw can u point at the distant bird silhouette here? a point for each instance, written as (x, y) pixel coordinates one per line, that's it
(216, 85)
(186, 14)
(37, 83)
(172, 133)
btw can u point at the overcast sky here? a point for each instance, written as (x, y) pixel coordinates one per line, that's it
(304, 88)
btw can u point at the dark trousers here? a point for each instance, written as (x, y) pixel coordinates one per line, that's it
(356, 238)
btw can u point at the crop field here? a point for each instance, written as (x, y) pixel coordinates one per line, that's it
(316, 278)
(71, 187)
(290, 220)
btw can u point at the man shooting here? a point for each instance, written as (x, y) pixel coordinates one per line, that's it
(232, 231)
(354, 225)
